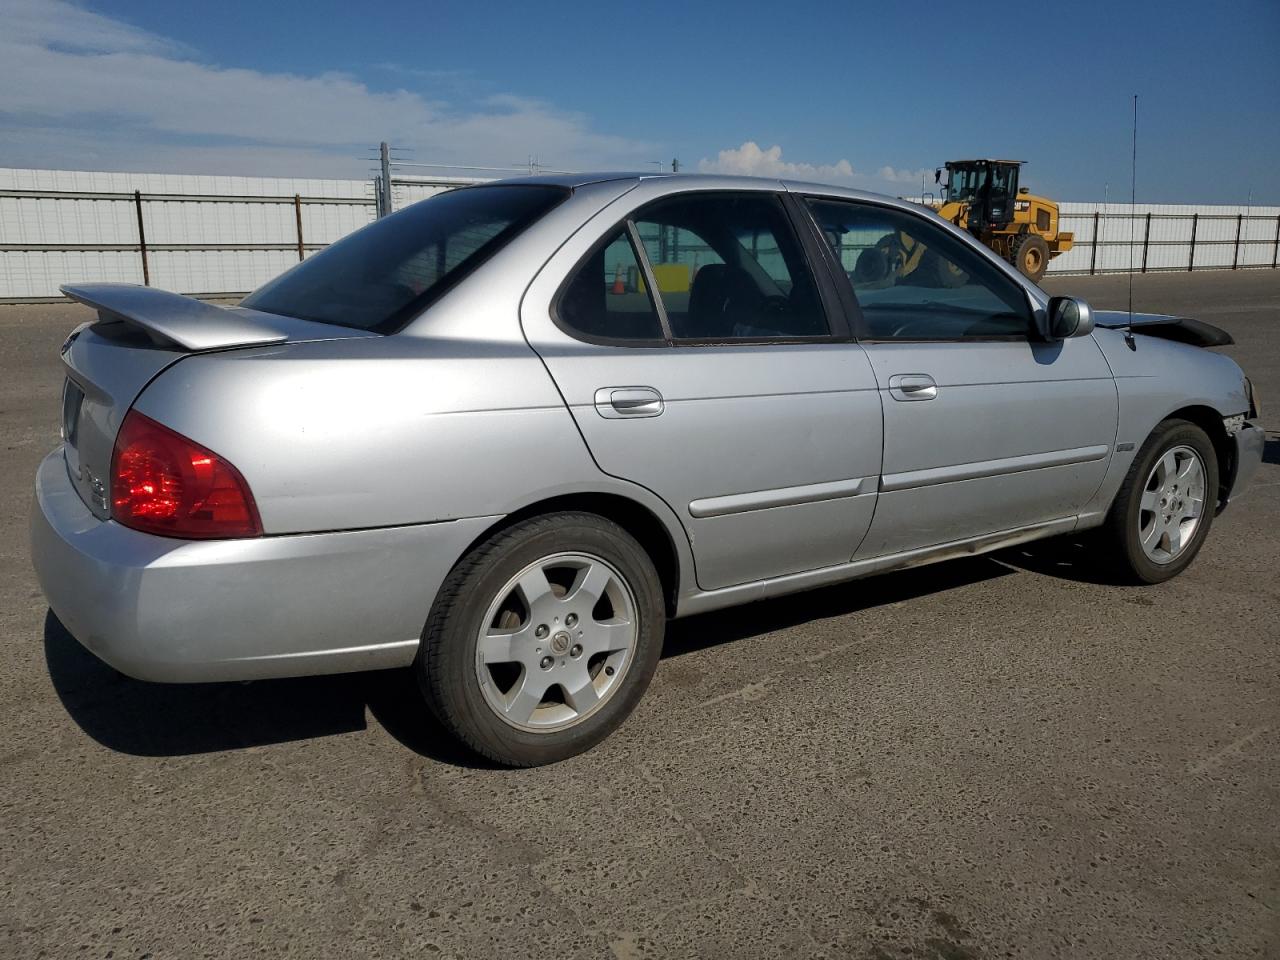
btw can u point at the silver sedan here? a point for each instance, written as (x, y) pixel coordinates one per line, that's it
(503, 435)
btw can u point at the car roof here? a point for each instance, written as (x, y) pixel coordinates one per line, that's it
(702, 181)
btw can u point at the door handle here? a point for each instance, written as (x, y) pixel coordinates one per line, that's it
(912, 386)
(614, 403)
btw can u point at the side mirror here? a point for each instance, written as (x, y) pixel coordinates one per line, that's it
(1024, 189)
(1069, 317)
(937, 175)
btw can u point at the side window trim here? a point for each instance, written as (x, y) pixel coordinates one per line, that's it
(860, 326)
(650, 281)
(833, 283)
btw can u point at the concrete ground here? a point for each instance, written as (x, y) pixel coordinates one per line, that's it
(997, 757)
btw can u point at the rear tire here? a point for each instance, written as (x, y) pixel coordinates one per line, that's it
(1164, 509)
(1030, 254)
(543, 639)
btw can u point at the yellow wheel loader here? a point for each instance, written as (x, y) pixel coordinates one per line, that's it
(983, 197)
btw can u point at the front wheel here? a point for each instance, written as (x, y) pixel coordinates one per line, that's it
(1030, 254)
(941, 272)
(1163, 512)
(543, 639)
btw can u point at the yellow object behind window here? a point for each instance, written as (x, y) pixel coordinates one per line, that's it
(671, 277)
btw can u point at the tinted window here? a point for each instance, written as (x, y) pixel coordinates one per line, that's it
(729, 267)
(380, 276)
(913, 281)
(606, 299)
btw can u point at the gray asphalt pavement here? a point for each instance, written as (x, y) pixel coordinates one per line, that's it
(996, 757)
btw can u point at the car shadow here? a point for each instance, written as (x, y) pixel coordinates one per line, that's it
(161, 720)
(766, 616)
(1067, 558)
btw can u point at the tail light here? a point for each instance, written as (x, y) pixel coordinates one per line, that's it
(163, 483)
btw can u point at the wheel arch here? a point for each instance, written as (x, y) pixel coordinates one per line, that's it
(1210, 421)
(650, 530)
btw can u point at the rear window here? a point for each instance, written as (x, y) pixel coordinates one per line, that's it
(382, 275)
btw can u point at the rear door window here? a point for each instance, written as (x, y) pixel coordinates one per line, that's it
(729, 267)
(383, 275)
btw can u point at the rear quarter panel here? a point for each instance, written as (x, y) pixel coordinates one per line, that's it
(336, 435)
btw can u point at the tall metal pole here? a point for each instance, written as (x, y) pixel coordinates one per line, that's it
(384, 201)
(1133, 212)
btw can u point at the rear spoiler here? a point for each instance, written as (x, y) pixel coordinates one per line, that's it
(191, 324)
(1182, 329)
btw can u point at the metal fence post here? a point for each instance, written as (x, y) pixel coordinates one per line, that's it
(1146, 240)
(297, 216)
(1235, 257)
(1275, 251)
(1093, 248)
(142, 238)
(1191, 259)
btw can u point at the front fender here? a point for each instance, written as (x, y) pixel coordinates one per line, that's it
(1154, 379)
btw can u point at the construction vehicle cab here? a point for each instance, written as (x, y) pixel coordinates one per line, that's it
(983, 197)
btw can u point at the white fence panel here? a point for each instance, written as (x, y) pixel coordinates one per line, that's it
(32, 275)
(226, 235)
(1167, 238)
(204, 234)
(407, 190)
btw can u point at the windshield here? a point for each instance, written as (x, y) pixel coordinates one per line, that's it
(382, 275)
(969, 183)
(965, 183)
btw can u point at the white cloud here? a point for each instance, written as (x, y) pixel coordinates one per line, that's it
(749, 160)
(905, 176)
(69, 27)
(79, 88)
(753, 161)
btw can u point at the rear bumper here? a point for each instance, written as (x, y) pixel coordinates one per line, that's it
(191, 611)
(1250, 443)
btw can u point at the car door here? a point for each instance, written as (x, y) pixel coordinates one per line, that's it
(987, 427)
(702, 357)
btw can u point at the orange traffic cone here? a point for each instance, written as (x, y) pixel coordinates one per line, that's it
(618, 286)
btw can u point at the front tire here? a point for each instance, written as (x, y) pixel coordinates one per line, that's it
(941, 272)
(1030, 255)
(543, 639)
(1165, 507)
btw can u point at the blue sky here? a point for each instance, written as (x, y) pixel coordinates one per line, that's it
(870, 94)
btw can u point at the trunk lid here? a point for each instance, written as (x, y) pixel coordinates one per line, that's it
(141, 331)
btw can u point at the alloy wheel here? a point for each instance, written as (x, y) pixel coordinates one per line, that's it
(1172, 504)
(556, 642)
